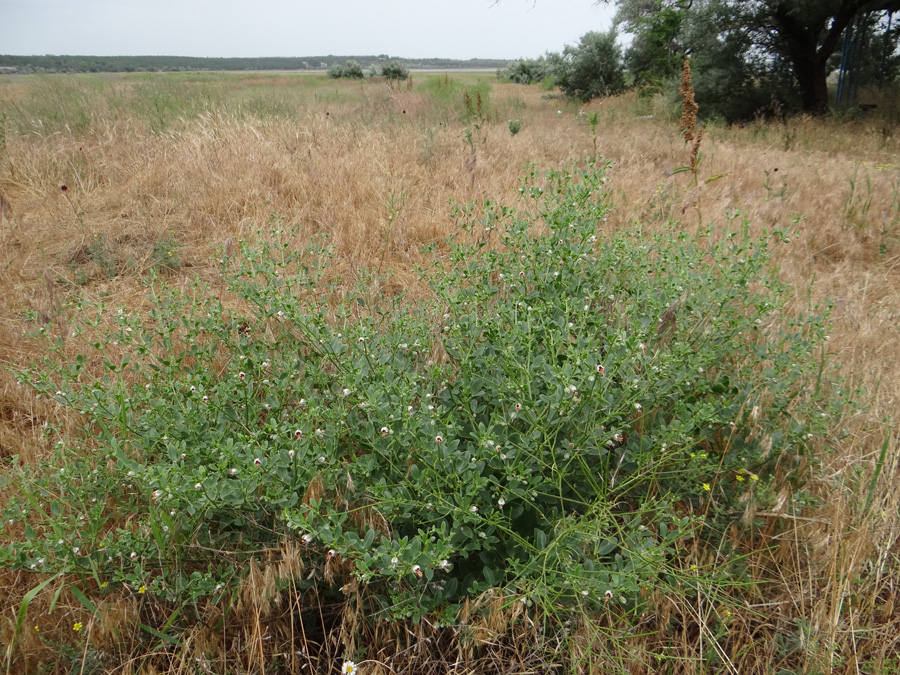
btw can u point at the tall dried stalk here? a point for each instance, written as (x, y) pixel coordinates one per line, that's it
(688, 125)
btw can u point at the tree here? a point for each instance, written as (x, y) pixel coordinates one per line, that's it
(806, 33)
(657, 51)
(771, 35)
(592, 68)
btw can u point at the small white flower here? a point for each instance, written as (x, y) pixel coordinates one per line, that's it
(291, 454)
(298, 434)
(331, 554)
(193, 389)
(608, 594)
(501, 502)
(346, 393)
(233, 471)
(257, 461)
(266, 364)
(307, 538)
(473, 509)
(637, 406)
(349, 668)
(809, 435)
(409, 409)
(157, 494)
(439, 438)
(75, 550)
(384, 432)
(242, 375)
(600, 369)
(445, 565)
(301, 402)
(417, 570)
(320, 432)
(584, 593)
(197, 486)
(322, 459)
(133, 555)
(361, 340)
(394, 561)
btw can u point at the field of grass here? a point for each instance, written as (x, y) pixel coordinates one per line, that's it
(120, 191)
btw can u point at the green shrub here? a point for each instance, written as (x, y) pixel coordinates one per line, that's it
(570, 411)
(350, 69)
(525, 71)
(393, 70)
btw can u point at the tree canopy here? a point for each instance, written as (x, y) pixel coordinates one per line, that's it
(780, 44)
(747, 55)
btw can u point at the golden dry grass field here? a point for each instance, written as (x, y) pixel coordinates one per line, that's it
(160, 171)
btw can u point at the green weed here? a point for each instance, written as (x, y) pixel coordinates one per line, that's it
(570, 412)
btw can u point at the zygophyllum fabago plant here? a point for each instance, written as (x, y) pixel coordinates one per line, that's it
(570, 409)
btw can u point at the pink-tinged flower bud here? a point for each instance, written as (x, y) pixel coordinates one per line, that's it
(417, 571)
(439, 438)
(257, 461)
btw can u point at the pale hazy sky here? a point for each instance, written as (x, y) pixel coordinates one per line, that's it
(409, 28)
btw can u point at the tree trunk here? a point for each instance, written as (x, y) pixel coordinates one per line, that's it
(812, 80)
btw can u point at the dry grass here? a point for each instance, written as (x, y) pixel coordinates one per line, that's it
(374, 169)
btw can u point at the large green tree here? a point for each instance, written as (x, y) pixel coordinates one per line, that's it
(801, 35)
(590, 69)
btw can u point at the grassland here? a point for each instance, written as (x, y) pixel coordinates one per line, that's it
(107, 179)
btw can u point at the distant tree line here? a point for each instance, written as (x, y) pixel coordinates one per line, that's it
(747, 58)
(136, 64)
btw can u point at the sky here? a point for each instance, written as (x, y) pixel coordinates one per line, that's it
(456, 29)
